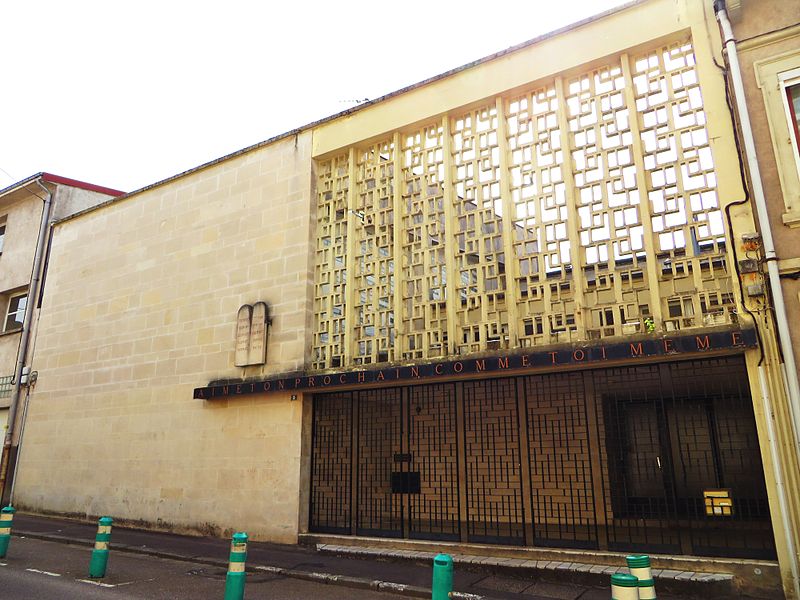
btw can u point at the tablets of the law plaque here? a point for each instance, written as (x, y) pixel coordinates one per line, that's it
(243, 321)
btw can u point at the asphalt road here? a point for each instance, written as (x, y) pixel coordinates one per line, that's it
(40, 570)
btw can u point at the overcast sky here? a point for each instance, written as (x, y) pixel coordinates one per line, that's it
(124, 94)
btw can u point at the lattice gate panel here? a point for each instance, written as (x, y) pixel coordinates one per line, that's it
(673, 432)
(379, 511)
(639, 506)
(432, 432)
(424, 268)
(686, 215)
(718, 448)
(331, 463)
(373, 330)
(330, 271)
(494, 483)
(540, 237)
(480, 261)
(560, 461)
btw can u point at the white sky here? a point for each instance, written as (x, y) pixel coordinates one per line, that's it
(123, 94)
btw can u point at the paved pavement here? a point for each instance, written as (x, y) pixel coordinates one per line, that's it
(304, 563)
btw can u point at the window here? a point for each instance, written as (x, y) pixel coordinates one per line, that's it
(779, 80)
(2, 233)
(791, 87)
(16, 312)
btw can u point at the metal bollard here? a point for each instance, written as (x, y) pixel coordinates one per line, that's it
(442, 577)
(234, 580)
(640, 568)
(99, 561)
(6, 522)
(624, 587)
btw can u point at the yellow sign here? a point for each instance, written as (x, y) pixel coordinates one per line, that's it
(718, 503)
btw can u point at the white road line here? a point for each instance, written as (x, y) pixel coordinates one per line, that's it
(3, 564)
(100, 583)
(50, 573)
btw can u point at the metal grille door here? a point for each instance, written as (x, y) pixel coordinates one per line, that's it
(331, 464)
(379, 510)
(622, 459)
(494, 495)
(433, 453)
(560, 461)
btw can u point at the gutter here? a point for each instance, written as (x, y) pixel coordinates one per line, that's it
(25, 335)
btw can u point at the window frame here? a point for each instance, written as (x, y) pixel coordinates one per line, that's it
(11, 298)
(787, 80)
(774, 75)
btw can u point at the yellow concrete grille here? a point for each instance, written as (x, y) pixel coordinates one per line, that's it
(422, 242)
(543, 268)
(374, 266)
(480, 280)
(583, 208)
(330, 274)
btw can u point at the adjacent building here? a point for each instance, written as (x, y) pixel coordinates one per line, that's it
(27, 209)
(507, 305)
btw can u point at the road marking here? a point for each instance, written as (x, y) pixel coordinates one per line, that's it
(3, 564)
(99, 583)
(50, 573)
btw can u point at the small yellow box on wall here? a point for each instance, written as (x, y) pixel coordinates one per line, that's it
(718, 503)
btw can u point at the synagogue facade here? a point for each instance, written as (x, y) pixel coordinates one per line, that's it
(503, 306)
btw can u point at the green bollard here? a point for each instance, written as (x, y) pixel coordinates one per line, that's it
(624, 587)
(234, 581)
(6, 522)
(97, 565)
(442, 577)
(640, 568)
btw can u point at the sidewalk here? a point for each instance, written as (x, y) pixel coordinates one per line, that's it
(409, 579)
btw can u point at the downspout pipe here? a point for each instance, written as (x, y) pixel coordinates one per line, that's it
(771, 258)
(33, 294)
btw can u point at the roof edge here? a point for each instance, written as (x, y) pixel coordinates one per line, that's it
(50, 177)
(57, 179)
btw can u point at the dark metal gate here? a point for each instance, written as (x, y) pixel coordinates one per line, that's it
(620, 459)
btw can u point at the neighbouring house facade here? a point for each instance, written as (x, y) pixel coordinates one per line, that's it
(768, 41)
(24, 207)
(503, 306)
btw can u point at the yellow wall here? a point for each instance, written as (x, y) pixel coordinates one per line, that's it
(140, 309)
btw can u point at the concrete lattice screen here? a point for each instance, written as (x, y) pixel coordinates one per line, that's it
(600, 186)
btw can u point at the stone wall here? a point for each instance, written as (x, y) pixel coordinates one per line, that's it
(141, 306)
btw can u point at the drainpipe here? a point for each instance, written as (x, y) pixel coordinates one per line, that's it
(771, 258)
(33, 293)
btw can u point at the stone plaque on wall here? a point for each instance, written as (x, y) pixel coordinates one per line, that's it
(243, 320)
(252, 323)
(258, 335)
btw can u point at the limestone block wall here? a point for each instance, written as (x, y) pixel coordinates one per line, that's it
(22, 225)
(141, 304)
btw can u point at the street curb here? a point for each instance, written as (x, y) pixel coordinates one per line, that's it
(411, 591)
